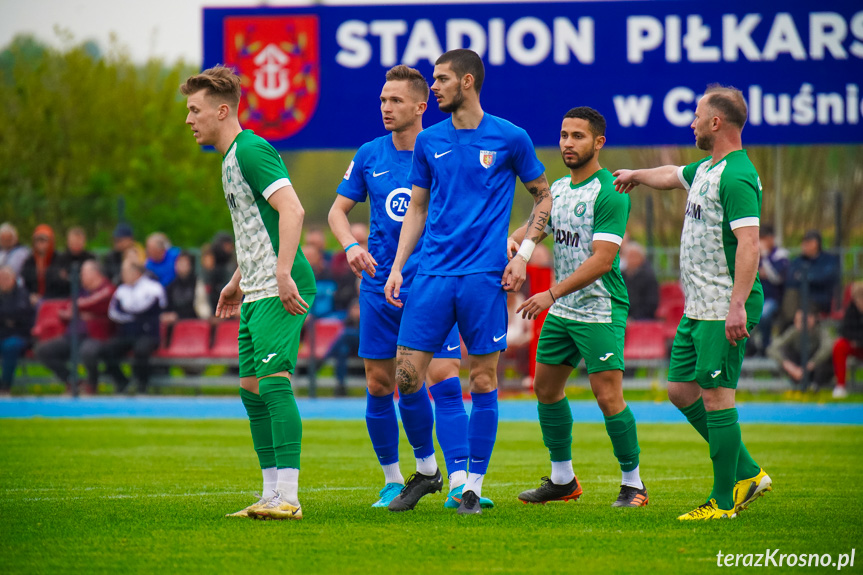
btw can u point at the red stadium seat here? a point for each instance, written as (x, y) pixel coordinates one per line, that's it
(644, 340)
(225, 341)
(670, 293)
(327, 331)
(670, 309)
(189, 338)
(48, 323)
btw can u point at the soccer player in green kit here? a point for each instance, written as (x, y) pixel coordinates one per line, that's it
(719, 253)
(273, 288)
(589, 305)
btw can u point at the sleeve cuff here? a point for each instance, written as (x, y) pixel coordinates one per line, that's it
(615, 239)
(681, 178)
(744, 223)
(278, 184)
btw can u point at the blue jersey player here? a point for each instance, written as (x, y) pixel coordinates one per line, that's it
(463, 182)
(379, 173)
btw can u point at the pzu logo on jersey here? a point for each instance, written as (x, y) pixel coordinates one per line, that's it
(397, 203)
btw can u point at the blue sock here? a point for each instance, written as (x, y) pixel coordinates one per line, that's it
(383, 427)
(451, 423)
(418, 421)
(482, 430)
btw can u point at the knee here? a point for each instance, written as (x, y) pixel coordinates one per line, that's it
(407, 378)
(380, 386)
(546, 395)
(483, 380)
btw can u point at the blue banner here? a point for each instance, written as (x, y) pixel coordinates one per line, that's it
(312, 76)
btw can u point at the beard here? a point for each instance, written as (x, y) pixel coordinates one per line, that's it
(579, 160)
(456, 103)
(704, 142)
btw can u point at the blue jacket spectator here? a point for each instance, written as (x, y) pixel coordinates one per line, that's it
(772, 269)
(817, 268)
(16, 321)
(161, 257)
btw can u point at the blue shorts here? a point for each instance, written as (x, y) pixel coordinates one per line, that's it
(379, 329)
(475, 303)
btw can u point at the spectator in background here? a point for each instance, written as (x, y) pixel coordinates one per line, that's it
(12, 253)
(315, 236)
(93, 328)
(16, 321)
(187, 297)
(76, 252)
(772, 268)
(819, 269)
(123, 240)
(345, 348)
(41, 273)
(219, 262)
(161, 256)
(850, 340)
(135, 308)
(641, 283)
(787, 350)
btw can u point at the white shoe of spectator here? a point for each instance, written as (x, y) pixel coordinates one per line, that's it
(839, 392)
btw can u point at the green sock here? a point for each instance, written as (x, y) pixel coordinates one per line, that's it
(724, 431)
(697, 416)
(624, 438)
(261, 426)
(555, 420)
(287, 426)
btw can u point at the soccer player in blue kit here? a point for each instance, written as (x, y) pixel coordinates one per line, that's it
(379, 173)
(463, 182)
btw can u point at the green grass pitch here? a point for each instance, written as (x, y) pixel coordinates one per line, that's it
(148, 496)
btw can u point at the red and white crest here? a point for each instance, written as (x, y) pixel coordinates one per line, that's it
(278, 61)
(486, 158)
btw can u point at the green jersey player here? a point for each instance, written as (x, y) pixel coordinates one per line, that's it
(587, 319)
(719, 270)
(273, 288)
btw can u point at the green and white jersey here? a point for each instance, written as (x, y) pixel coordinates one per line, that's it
(722, 198)
(580, 214)
(252, 171)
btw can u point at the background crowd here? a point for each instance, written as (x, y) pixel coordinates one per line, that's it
(129, 297)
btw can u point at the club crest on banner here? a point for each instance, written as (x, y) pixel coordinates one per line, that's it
(486, 158)
(278, 61)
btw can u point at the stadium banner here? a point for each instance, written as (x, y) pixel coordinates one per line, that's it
(312, 75)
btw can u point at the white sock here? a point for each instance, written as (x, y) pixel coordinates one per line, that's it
(561, 472)
(392, 473)
(457, 478)
(632, 478)
(271, 478)
(427, 465)
(289, 483)
(474, 483)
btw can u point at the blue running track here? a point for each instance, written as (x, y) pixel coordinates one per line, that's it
(510, 410)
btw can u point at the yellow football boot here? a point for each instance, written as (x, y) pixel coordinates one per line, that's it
(708, 511)
(748, 490)
(277, 508)
(246, 512)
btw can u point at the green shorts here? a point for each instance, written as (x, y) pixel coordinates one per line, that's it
(566, 341)
(269, 337)
(701, 353)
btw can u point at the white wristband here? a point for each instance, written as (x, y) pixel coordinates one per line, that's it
(526, 249)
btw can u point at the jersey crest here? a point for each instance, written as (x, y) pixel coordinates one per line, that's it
(486, 158)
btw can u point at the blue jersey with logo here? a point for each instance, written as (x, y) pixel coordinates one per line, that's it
(380, 172)
(471, 178)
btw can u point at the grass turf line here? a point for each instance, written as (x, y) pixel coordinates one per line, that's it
(144, 496)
